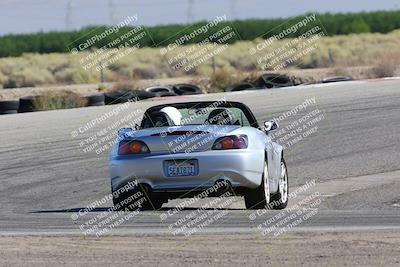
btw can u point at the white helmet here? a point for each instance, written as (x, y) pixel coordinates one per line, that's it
(173, 114)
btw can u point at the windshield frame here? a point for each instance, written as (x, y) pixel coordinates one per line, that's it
(204, 104)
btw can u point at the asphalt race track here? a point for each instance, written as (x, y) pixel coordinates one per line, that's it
(353, 155)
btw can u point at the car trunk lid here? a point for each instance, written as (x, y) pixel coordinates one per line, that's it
(182, 139)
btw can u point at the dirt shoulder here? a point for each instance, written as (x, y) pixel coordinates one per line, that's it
(301, 249)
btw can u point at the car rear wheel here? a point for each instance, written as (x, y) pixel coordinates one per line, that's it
(280, 199)
(259, 197)
(152, 203)
(142, 201)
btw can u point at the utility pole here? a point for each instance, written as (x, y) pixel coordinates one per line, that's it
(101, 72)
(213, 64)
(68, 20)
(111, 12)
(233, 10)
(190, 15)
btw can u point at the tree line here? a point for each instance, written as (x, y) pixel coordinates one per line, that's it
(332, 24)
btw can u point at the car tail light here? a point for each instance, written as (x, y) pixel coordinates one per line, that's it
(132, 147)
(231, 142)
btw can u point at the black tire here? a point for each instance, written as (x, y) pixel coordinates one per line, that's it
(273, 80)
(118, 202)
(27, 104)
(239, 87)
(152, 203)
(255, 198)
(96, 104)
(144, 95)
(186, 89)
(147, 201)
(5, 112)
(9, 107)
(166, 94)
(337, 79)
(95, 100)
(151, 200)
(276, 198)
(119, 97)
(158, 89)
(112, 98)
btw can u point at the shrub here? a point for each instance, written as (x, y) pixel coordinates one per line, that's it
(251, 77)
(145, 73)
(3, 79)
(202, 83)
(221, 79)
(340, 71)
(29, 77)
(386, 65)
(59, 100)
(14, 80)
(352, 50)
(76, 75)
(101, 88)
(124, 86)
(383, 70)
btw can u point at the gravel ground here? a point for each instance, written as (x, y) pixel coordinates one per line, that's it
(306, 249)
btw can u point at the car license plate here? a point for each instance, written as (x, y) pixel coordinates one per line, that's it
(181, 168)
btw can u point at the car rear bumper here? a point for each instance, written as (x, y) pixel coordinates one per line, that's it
(242, 168)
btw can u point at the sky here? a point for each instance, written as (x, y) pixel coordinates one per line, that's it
(27, 16)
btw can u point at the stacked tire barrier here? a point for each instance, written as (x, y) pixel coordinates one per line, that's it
(95, 100)
(175, 90)
(166, 94)
(186, 89)
(9, 107)
(157, 90)
(239, 87)
(27, 104)
(273, 80)
(118, 97)
(337, 79)
(265, 81)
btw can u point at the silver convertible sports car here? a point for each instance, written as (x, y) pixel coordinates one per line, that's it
(183, 149)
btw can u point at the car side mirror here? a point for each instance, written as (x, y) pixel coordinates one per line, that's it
(122, 131)
(270, 126)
